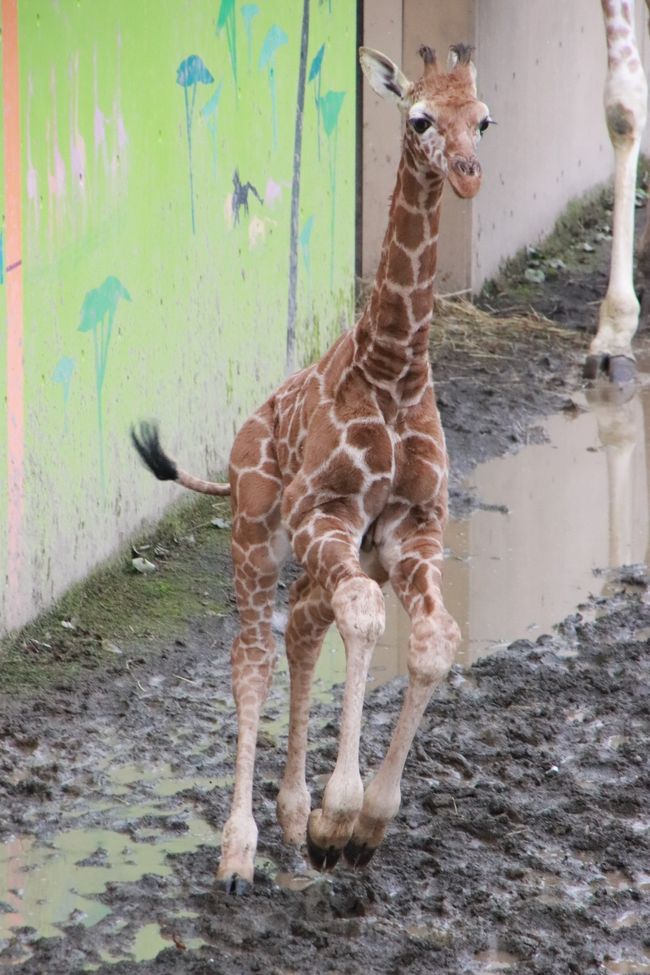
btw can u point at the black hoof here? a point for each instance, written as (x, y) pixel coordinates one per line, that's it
(593, 365)
(358, 854)
(621, 370)
(322, 858)
(235, 885)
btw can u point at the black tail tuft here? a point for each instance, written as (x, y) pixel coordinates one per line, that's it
(147, 444)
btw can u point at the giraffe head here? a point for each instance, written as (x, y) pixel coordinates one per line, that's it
(444, 118)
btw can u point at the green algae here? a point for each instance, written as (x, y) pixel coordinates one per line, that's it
(116, 609)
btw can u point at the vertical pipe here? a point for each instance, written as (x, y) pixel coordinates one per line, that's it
(295, 195)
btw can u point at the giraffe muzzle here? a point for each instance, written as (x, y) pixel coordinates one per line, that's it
(466, 167)
(465, 175)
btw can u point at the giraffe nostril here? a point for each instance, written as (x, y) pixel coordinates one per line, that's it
(466, 167)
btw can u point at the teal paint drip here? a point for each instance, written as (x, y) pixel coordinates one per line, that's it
(97, 317)
(190, 73)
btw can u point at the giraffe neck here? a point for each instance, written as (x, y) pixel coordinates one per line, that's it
(392, 335)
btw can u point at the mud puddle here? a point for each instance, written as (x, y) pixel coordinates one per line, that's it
(547, 517)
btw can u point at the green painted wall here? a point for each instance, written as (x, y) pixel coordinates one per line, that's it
(157, 166)
(4, 458)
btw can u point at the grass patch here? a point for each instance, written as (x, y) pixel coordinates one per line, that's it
(572, 246)
(116, 608)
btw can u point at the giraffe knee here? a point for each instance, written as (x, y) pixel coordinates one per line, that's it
(432, 647)
(359, 610)
(621, 123)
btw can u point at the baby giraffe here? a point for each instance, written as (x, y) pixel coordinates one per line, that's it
(346, 464)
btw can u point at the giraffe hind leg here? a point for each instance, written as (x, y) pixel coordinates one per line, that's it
(258, 550)
(310, 617)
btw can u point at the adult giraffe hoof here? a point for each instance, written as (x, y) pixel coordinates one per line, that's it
(621, 370)
(358, 854)
(235, 885)
(593, 365)
(322, 858)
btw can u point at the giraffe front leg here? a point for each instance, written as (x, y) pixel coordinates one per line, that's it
(433, 642)
(358, 605)
(327, 542)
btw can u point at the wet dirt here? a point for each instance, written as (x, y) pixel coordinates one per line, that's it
(523, 842)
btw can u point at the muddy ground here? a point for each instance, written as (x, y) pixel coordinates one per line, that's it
(523, 842)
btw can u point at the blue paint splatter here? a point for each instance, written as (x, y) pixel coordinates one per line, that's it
(330, 107)
(210, 114)
(249, 11)
(315, 74)
(190, 73)
(274, 39)
(227, 20)
(63, 376)
(240, 193)
(97, 316)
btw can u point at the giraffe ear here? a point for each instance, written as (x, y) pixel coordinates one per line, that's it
(384, 77)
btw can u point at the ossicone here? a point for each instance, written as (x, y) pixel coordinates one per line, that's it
(460, 54)
(428, 55)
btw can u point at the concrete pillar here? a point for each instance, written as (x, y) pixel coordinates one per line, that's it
(541, 70)
(382, 30)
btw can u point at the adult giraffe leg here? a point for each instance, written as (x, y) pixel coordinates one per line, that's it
(625, 99)
(434, 638)
(258, 549)
(643, 253)
(310, 617)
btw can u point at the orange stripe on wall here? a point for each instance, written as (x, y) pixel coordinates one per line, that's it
(14, 297)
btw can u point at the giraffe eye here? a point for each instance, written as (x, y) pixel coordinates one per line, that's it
(420, 125)
(483, 124)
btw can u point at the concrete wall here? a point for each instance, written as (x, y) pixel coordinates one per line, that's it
(541, 69)
(147, 152)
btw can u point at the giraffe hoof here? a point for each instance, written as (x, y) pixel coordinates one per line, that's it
(235, 885)
(322, 858)
(358, 854)
(621, 370)
(593, 365)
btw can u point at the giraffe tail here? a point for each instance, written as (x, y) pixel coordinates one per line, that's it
(147, 443)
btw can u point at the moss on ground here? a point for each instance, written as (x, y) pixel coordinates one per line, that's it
(571, 246)
(119, 609)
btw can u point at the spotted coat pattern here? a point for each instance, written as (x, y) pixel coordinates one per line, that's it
(346, 464)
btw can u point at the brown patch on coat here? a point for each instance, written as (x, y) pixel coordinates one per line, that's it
(422, 302)
(401, 266)
(375, 441)
(409, 228)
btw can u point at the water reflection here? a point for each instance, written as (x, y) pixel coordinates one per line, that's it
(572, 505)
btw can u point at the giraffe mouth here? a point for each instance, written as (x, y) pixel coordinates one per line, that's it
(465, 175)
